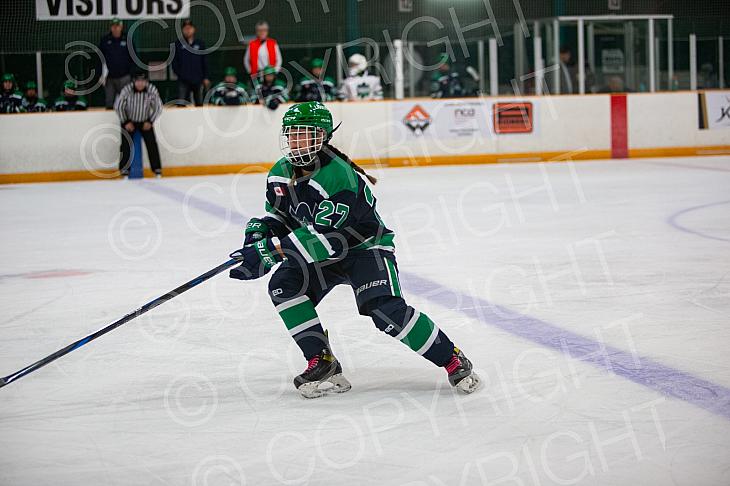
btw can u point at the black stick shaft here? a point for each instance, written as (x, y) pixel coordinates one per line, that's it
(136, 313)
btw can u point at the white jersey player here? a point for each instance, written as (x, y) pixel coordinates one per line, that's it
(360, 85)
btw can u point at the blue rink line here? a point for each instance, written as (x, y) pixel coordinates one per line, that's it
(672, 221)
(644, 371)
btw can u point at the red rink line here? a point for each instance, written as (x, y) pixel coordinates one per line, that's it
(619, 127)
(49, 274)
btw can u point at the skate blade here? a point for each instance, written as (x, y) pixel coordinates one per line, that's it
(334, 384)
(470, 384)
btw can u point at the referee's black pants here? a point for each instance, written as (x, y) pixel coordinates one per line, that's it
(149, 141)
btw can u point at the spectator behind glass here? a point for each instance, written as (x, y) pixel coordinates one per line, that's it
(448, 83)
(229, 92)
(707, 78)
(360, 84)
(569, 74)
(262, 51)
(315, 86)
(117, 62)
(190, 64)
(69, 100)
(270, 92)
(11, 100)
(614, 84)
(32, 103)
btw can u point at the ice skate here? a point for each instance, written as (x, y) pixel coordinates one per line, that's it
(461, 375)
(322, 376)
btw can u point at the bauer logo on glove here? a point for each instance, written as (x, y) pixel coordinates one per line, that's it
(256, 259)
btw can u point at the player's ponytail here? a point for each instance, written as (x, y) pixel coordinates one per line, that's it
(347, 159)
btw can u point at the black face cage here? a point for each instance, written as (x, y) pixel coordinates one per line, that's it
(300, 143)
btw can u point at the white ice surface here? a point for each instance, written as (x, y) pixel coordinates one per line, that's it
(199, 390)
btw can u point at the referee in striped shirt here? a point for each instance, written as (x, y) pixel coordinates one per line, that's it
(138, 106)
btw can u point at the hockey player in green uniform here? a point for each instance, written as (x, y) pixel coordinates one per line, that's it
(269, 91)
(229, 91)
(32, 103)
(69, 100)
(323, 228)
(316, 86)
(448, 83)
(11, 100)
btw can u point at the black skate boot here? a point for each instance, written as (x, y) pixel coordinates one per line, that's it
(323, 375)
(460, 373)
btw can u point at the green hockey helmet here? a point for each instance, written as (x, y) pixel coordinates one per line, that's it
(304, 129)
(69, 84)
(311, 113)
(31, 85)
(268, 70)
(8, 77)
(317, 62)
(230, 71)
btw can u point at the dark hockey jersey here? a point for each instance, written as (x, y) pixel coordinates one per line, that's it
(324, 215)
(34, 105)
(270, 95)
(447, 85)
(11, 101)
(70, 103)
(312, 89)
(230, 94)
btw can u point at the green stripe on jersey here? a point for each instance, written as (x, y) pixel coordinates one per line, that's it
(392, 277)
(420, 333)
(383, 242)
(296, 312)
(271, 209)
(337, 176)
(281, 168)
(313, 246)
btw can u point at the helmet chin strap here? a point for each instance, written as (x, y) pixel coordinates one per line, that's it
(329, 137)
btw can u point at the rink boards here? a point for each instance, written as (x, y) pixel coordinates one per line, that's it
(413, 132)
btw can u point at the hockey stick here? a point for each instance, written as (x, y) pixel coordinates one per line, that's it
(136, 313)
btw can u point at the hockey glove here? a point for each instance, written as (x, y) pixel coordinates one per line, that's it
(256, 260)
(256, 230)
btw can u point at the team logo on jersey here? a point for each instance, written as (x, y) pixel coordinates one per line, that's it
(417, 120)
(302, 213)
(279, 191)
(362, 90)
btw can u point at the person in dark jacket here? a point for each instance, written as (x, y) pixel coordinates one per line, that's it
(269, 91)
(229, 92)
(69, 99)
(569, 82)
(117, 62)
(190, 64)
(446, 82)
(32, 102)
(11, 99)
(316, 86)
